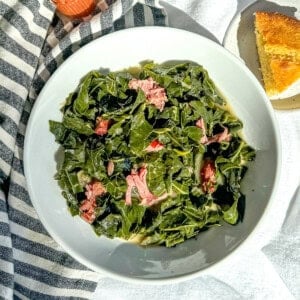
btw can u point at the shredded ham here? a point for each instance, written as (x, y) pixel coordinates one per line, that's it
(220, 137)
(101, 126)
(146, 202)
(87, 207)
(208, 176)
(154, 93)
(94, 189)
(155, 146)
(110, 167)
(130, 185)
(217, 138)
(201, 125)
(137, 179)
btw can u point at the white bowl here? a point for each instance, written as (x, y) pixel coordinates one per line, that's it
(121, 259)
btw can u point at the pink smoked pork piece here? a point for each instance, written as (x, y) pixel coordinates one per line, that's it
(217, 138)
(102, 126)
(155, 94)
(137, 179)
(208, 176)
(154, 146)
(110, 167)
(87, 207)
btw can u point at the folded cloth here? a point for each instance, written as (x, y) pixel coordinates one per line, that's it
(32, 265)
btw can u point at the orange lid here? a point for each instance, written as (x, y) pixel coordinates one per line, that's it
(75, 8)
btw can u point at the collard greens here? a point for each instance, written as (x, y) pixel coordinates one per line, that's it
(196, 172)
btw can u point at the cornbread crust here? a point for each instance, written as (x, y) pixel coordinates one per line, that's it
(278, 45)
(281, 34)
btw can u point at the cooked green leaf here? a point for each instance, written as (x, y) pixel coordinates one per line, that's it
(152, 175)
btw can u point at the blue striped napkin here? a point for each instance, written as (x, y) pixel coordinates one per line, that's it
(33, 44)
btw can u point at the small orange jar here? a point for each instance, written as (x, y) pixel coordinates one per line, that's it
(75, 9)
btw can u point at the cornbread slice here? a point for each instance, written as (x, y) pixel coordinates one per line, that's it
(278, 45)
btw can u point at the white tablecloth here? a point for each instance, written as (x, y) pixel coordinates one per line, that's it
(270, 267)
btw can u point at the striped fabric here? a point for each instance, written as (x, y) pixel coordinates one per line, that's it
(33, 44)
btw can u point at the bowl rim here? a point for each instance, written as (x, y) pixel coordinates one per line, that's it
(177, 278)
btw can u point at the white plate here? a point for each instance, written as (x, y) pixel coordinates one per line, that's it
(124, 260)
(240, 39)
